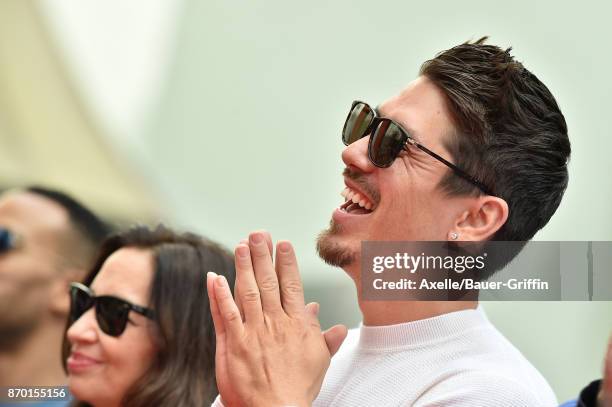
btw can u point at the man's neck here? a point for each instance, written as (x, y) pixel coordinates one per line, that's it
(36, 361)
(379, 313)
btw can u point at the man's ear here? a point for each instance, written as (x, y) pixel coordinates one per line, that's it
(483, 217)
(59, 296)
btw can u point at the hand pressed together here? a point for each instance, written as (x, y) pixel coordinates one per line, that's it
(270, 348)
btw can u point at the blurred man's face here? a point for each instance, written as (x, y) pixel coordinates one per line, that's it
(27, 270)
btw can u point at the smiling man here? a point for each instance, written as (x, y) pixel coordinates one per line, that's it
(475, 149)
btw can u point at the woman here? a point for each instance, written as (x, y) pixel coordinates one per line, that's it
(140, 331)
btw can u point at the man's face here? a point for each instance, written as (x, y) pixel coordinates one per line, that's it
(407, 202)
(27, 271)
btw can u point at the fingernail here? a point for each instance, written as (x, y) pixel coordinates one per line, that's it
(316, 308)
(256, 238)
(284, 247)
(242, 251)
(222, 281)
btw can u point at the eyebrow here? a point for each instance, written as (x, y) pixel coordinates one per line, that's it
(408, 130)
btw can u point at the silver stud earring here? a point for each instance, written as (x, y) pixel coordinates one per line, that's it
(454, 235)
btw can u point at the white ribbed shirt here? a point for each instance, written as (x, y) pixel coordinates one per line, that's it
(455, 359)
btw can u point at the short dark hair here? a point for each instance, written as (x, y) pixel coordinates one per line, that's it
(183, 371)
(90, 228)
(510, 133)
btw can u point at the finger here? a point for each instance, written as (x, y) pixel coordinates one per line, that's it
(265, 273)
(228, 310)
(312, 315)
(268, 239)
(236, 296)
(292, 292)
(236, 289)
(248, 291)
(214, 307)
(312, 309)
(334, 337)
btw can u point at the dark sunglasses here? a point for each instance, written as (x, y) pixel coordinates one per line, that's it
(388, 139)
(111, 312)
(8, 240)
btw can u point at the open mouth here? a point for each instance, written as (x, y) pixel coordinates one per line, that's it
(355, 203)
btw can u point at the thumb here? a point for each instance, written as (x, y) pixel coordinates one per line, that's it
(334, 337)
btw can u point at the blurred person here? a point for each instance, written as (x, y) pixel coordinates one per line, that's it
(599, 392)
(140, 331)
(475, 149)
(47, 239)
(603, 387)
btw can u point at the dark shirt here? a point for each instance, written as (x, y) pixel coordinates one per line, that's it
(588, 395)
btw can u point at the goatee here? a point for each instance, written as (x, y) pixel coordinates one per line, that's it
(331, 252)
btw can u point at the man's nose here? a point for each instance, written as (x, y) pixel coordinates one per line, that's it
(356, 155)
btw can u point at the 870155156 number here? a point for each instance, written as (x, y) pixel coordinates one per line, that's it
(34, 393)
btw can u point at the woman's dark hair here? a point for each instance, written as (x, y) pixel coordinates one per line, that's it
(183, 371)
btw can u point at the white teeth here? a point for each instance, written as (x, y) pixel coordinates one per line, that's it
(356, 197)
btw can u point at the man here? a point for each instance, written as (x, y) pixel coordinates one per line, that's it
(475, 149)
(47, 240)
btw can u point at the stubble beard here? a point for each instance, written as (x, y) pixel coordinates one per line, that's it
(332, 252)
(19, 316)
(13, 331)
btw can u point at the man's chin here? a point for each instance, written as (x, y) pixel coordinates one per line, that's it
(331, 250)
(13, 332)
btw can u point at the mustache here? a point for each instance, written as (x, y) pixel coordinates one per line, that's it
(361, 180)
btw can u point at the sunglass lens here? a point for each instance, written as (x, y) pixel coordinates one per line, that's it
(357, 123)
(6, 240)
(386, 143)
(112, 315)
(80, 301)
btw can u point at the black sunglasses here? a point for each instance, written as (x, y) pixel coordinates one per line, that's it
(8, 240)
(111, 312)
(388, 139)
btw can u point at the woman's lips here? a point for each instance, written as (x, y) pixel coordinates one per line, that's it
(78, 362)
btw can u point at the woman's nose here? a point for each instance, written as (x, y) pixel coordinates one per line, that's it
(84, 329)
